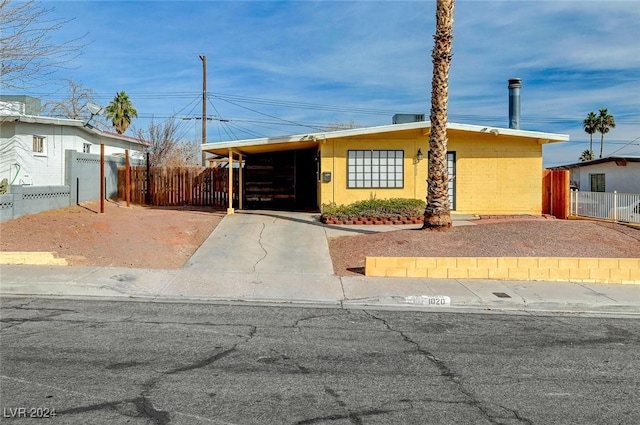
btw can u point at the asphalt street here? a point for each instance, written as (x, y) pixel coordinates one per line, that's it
(113, 362)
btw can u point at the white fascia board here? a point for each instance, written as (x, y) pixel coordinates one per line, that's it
(541, 136)
(35, 119)
(598, 161)
(314, 136)
(250, 142)
(548, 137)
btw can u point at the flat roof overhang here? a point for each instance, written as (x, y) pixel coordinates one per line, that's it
(308, 141)
(250, 149)
(619, 160)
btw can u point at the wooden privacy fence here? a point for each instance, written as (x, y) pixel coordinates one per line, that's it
(555, 193)
(173, 186)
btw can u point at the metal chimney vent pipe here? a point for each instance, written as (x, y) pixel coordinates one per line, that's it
(514, 102)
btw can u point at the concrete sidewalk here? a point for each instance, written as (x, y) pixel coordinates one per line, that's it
(284, 258)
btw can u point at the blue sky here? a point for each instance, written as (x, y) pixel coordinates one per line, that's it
(292, 67)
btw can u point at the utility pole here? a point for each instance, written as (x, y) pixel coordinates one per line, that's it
(204, 106)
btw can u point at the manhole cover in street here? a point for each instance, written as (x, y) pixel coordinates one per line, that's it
(501, 295)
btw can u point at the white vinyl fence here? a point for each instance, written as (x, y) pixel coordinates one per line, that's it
(618, 207)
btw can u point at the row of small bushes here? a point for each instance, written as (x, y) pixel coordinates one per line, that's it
(381, 208)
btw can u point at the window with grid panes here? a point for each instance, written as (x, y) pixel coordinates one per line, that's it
(375, 169)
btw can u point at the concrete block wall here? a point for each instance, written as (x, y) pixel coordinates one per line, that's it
(82, 175)
(6, 207)
(23, 200)
(334, 154)
(592, 270)
(32, 258)
(495, 175)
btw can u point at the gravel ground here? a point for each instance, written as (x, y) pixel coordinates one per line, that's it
(491, 238)
(141, 237)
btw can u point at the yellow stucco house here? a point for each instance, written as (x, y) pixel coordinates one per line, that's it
(493, 171)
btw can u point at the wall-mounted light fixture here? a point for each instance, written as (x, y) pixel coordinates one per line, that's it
(419, 155)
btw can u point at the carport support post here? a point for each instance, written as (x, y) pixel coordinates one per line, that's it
(240, 182)
(127, 178)
(230, 191)
(101, 178)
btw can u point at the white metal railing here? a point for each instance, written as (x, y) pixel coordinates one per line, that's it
(624, 207)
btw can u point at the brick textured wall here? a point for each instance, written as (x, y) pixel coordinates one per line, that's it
(595, 270)
(495, 174)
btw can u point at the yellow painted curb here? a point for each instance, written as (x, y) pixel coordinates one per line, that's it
(32, 258)
(559, 269)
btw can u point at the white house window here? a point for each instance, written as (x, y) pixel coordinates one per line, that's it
(86, 147)
(375, 169)
(38, 144)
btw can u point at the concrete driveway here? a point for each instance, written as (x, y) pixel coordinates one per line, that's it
(262, 255)
(278, 242)
(268, 255)
(266, 242)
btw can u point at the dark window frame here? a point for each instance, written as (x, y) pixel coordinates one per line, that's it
(597, 182)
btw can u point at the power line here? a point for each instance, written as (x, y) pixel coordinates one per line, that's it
(270, 116)
(298, 105)
(247, 131)
(237, 100)
(628, 144)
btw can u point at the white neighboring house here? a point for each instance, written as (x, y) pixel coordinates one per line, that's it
(614, 173)
(32, 148)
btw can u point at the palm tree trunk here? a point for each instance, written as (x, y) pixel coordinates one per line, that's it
(437, 214)
(601, 144)
(591, 144)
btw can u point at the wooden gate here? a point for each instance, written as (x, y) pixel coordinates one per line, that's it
(174, 186)
(555, 193)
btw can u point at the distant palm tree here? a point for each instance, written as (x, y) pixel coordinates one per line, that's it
(590, 125)
(121, 112)
(437, 214)
(586, 155)
(605, 123)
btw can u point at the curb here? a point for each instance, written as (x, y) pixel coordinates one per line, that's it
(382, 303)
(32, 258)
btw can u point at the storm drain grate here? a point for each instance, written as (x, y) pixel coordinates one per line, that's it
(501, 295)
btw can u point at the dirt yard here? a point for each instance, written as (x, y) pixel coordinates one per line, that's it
(491, 238)
(136, 237)
(160, 238)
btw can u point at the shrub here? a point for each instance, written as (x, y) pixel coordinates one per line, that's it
(383, 208)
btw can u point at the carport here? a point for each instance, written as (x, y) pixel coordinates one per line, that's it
(275, 174)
